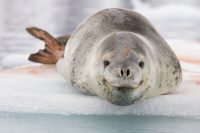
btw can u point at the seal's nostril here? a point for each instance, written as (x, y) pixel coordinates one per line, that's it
(125, 73)
(122, 72)
(128, 72)
(119, 89)
(106, 63)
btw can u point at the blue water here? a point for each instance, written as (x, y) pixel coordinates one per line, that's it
(49, 123)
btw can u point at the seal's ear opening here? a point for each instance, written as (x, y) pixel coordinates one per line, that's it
(54, 47)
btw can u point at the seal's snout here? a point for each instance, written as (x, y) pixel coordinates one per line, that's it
(126, 73)
(123, 74)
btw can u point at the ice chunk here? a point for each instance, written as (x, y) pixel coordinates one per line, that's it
(42, 90)
(15, 60)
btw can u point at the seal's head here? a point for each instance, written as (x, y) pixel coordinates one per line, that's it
(124, 68)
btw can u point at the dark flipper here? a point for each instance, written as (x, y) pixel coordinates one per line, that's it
(54, 47)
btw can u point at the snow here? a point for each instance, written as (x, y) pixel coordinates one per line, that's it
(40, 89)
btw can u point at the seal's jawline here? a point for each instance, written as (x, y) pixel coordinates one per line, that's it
(108, 89)
(127, 87)
(105, 82)
(123, 86)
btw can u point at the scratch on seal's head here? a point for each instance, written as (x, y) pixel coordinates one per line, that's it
(124, 68)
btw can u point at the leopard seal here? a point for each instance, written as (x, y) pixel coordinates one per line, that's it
(116, 54)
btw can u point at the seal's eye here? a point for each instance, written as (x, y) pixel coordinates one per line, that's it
(141, 64)
(106, 63)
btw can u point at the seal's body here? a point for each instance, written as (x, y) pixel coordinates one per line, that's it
(118, 55)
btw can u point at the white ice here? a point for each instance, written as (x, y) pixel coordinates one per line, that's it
(50, 93)
(41, 89)
(15, 60)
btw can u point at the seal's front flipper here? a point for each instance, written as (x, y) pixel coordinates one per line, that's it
(54, 47)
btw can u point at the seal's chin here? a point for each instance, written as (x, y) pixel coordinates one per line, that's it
(121, 95)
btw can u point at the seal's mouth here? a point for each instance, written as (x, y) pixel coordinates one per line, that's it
(121, 95)
(108, 86)
(124, 88)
